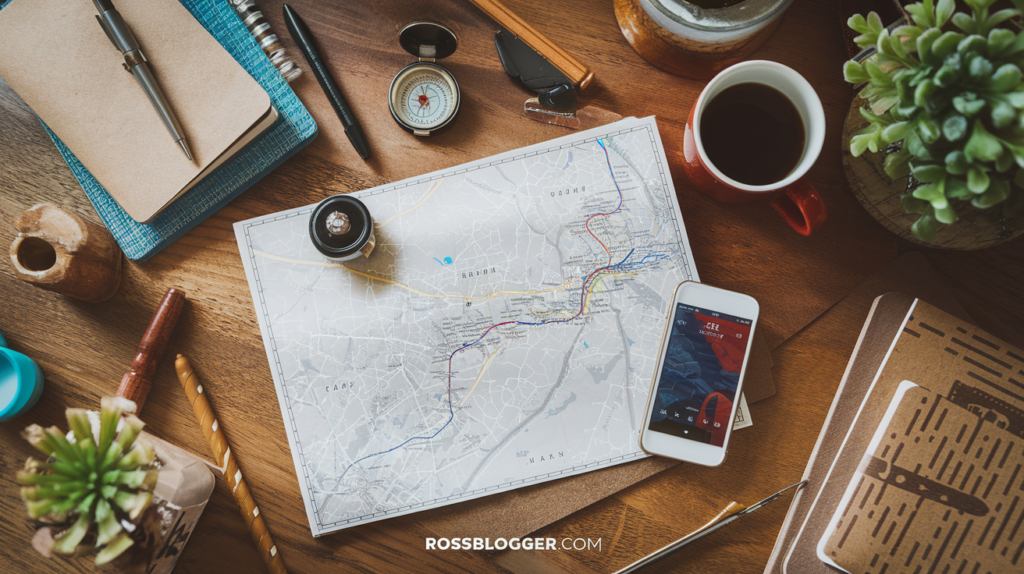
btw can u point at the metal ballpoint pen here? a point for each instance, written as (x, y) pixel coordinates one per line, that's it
(731, 513)
(135, 62)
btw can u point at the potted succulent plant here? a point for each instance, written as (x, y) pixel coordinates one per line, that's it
(945, 104)
(110, 491)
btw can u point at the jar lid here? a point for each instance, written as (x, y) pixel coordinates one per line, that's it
(677, 16)
(340, 226)
(427, 39)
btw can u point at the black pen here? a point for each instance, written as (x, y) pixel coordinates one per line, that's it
(300, 33)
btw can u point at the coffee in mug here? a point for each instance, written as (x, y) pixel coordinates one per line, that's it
(753, 133)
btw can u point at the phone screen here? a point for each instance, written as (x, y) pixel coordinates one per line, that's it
(697, 388)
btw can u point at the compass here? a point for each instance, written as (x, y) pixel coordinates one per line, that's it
(424, 96)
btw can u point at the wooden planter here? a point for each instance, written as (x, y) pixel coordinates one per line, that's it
(976, 229)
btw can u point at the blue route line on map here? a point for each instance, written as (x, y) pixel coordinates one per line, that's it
(583, 302)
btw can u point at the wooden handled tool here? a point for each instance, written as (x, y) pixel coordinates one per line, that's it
(579, 74)
(136, 383)
(222, 454)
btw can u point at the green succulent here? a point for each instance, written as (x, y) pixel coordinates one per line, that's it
(103, 477)
(953, 95)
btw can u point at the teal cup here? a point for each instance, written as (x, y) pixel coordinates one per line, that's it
(21, 382)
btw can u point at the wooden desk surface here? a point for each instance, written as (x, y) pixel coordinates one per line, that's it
(83, 349)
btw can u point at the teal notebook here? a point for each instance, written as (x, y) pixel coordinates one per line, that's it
(293, 130)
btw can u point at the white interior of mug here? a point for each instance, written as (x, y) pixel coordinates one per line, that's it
(794, 87)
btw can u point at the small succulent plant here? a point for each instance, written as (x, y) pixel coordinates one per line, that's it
(97, 479)
(949, 88)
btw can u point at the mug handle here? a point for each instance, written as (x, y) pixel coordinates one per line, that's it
(801, 206)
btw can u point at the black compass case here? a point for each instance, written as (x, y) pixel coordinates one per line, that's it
(428, 41)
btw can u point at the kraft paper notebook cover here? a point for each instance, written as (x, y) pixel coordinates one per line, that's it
(935, 491)
(912, 274)
(58, 59)
(955, 360)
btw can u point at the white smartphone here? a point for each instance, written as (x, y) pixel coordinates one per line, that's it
(699, 378)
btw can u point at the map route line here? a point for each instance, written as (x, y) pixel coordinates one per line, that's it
(584, 296)
(422, 200)
(402, 285)
(479, 376)
(614, 211)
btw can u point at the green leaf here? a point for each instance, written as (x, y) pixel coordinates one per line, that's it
(1005, 79)
(928, 129)
(957, 189)
(912, 204)
(979, 67)
(946, 214)
(982, 145)
(997, 193)
(860, 143)
(1002, 114)
(922, 14)
(998, 18)
(998, 41)
(144, 479)
(895, 132)
(924, 228)
(1015, 99)
(928, 173)
(897, 164)
(968, 104)
(977, 179)
(945, 45)
(924, 46)
(956, 162)
(943, 11)
(133, 503)
(971, 44)
(129, 431)
(923, 92)
(878, 77)
(69, 540)
(1004, 163)
(964, 22)
(114, 548)
(858, 24)
(911, 32)
(142, 454)
(954, 127)
(855, 73)
(932, 193)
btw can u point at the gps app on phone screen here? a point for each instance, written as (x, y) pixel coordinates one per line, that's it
(697, 388)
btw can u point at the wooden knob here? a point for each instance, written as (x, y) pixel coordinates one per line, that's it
(136, 383)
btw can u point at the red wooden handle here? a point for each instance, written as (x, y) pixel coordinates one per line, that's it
(136, 382)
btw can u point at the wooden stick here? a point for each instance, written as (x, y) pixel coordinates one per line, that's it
(559, 58)
(136, 383)
(222, 454)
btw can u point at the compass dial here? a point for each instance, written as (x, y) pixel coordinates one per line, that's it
(424, 97)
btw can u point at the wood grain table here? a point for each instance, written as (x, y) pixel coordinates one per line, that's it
(83, 349)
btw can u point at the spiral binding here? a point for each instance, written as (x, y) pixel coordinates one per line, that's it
(265, 37)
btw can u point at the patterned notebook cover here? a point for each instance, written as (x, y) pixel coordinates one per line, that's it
(292, 131)
(936, 491)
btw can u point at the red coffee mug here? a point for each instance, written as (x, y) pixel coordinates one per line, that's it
(793, 197)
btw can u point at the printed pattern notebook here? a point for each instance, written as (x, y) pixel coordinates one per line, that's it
(293, 131)
(936, 490)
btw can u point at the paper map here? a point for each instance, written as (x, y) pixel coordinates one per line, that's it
(504, 331)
